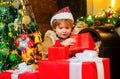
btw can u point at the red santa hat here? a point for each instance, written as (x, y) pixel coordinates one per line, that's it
(64, 13)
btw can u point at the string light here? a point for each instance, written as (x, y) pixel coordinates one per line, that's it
(112, 3)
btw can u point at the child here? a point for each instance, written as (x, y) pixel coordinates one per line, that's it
(62, 25)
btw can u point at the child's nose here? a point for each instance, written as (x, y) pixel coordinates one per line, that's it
(64, 30)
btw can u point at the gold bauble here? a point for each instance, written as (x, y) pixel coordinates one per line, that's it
(10, 34)
(26, 20)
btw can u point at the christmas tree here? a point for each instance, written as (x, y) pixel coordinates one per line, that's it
(19, 38)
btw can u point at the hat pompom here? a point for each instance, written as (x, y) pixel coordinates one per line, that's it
(64, 13)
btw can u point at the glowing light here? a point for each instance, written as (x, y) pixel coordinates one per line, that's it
(112, 3)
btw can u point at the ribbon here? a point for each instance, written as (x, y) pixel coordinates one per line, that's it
(14, 76)
(75, 67)
(100, 69)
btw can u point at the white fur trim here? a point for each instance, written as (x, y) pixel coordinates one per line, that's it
(64, 15)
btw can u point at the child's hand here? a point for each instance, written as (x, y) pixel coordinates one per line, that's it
(68, 42)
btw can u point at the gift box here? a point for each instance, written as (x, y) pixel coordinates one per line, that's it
(66, 69)
(25, 75)
(23, 71)
(58, 51)
(84, 41)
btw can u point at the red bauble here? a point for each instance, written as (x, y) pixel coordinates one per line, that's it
(30, 43)
(24, 50)
(17, 43)
(23, 36)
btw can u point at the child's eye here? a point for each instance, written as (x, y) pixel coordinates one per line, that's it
(60, 28)
(67, 27)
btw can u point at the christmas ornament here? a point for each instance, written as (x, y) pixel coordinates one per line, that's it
(109, 12)
(28, 56)
(26, 20)
(38, 38)
(12, 57)
(30, 43)
(10, 34)
(16, 4)
(20, 11)
(23, 36)
(2, 26)
(4, 51)
(32, 24)
(24, 42)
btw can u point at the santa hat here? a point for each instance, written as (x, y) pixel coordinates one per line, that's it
(64, 13)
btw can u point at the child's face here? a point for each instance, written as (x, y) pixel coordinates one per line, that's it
(63, 30)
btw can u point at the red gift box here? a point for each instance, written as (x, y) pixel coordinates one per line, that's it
(26, 75)
(58, 51)
(84, 41)
(74, 70)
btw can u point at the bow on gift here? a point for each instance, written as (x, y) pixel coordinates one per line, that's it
(57, 44)
(22, 68)
(88, 55)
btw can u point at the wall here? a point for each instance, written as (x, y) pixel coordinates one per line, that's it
(96, 6)
(43, 10)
